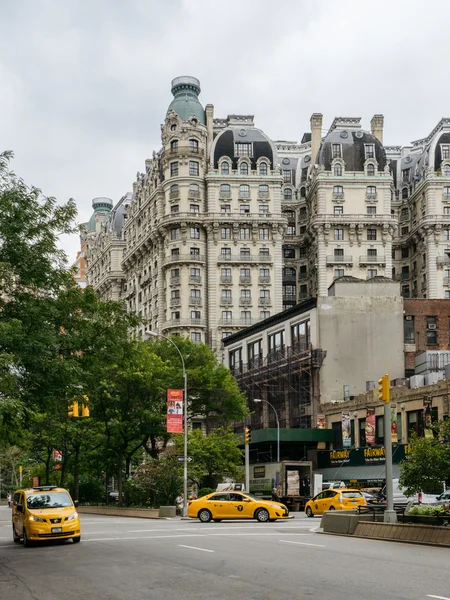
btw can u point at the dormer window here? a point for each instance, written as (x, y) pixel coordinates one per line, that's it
(370, 170)
(446, 170)
(243, 149)
(263, 168)
(337, 170)
(243, 169)
(369, 150)
(336, 151)
(445, 151)
(225, 168)
(174, 145)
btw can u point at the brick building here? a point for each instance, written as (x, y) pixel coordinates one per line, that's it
(426, 327)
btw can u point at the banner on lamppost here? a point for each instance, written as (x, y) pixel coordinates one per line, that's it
(346, 430)
(370, 426)
(174, 411)
(394, 434)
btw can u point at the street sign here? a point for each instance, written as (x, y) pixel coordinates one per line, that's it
(181, 459)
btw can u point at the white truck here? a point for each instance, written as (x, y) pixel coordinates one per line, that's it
(290, 481)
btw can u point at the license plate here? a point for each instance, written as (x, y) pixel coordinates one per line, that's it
(56, 529)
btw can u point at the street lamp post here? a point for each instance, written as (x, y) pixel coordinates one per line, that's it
(154, 334)
(278, 424)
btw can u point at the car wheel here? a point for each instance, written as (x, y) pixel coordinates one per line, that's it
(205, 516)
(309, 512)
(16, 538)
(331, 508)
(77, 540)
(26, 541)
(262, 515)
(217, 520)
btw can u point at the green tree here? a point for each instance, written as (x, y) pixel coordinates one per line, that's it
(429, 462)
(216, 456)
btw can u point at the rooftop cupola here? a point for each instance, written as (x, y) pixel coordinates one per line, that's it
(185, 103)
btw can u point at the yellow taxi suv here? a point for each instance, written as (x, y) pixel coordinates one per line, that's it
(233, 505)
(334, 499)
(44, 513)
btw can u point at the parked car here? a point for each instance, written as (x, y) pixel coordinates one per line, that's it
(113, 496)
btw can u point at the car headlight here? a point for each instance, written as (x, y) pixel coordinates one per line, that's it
(37, 519)
(277, 506)
(72, 516)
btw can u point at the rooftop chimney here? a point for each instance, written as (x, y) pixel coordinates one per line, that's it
(376, 125)
(316, 135)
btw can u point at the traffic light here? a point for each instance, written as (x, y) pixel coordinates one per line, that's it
(384, 391)
(73, 410)
(248, 435)
(84, 409)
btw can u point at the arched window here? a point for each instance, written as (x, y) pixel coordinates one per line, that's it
(243, 169)
(174, 190)
(290, 214)
(225, 168)
(303, 192)
(287, 194)
(174, 145)
(404, 193)
(370, 170)
(263, 168)
(337, 170)
(446, 171)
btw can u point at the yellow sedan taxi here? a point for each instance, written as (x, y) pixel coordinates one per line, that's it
(236, 505)
(44, 513)
(334, 499)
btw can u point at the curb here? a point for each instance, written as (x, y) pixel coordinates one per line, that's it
(379, 539)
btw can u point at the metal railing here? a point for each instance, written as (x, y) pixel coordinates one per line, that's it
(339, 259)
(366, 258)
(246, 258)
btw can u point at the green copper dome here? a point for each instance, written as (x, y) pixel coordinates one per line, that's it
(185, 103)
(100, 205)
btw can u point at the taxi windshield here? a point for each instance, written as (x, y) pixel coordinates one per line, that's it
(49, 500)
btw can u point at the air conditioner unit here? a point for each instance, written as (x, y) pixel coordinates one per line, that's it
(432, 326)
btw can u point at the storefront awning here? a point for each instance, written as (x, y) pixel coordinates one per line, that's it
(363, 473)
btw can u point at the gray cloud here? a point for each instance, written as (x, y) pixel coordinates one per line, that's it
(84, 86)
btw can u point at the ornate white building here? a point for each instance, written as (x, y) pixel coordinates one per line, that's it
(226, 227)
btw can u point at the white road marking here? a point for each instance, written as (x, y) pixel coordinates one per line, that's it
(438, 597)
(211, 528)
(305, 544)
(195, 548)
(168, 537)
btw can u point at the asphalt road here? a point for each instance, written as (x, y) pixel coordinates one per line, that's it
(124, 558)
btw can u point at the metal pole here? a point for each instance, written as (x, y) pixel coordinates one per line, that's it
(247, 467)
(185, 471)
(390, 516)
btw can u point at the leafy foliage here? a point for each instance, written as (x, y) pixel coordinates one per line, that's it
(429, 462)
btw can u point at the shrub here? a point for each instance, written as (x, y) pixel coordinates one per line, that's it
(205, 491)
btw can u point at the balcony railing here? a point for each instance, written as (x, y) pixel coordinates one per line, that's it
(371, 196)
(175, 302)
(175, 323)
(236, 322)
(244, 258)
(265, 301)
(339, 259)
(289, 297)
(338, 195)
(183, 258)
(263, 195)
(226, 279)
(173, 195)
(195, 279)
(225, 194)
(245, 279)
(193, 301)
(245, 301)
(226, 301)
(194, 194)
(288, 278)
(264, 279)
(378, 259)
(174, 280)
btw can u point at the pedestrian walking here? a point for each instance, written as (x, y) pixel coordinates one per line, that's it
(8, 497)
(179, 503)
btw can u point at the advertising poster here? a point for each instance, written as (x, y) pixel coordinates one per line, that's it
(370, 426)
(174, 411)
(320, 421)
(394, 424)
(346, 430)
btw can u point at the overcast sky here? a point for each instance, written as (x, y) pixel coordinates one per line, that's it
(85, 84)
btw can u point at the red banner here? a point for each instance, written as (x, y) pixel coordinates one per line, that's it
(370, 426)
(174, 411)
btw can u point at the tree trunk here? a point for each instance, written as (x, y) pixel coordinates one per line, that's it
(76, 470)
(119, 481)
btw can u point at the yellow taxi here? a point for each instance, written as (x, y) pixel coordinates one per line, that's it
(44, 513)
(334, 499)
(235, 505)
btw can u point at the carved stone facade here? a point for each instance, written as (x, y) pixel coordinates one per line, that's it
(226, 227)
